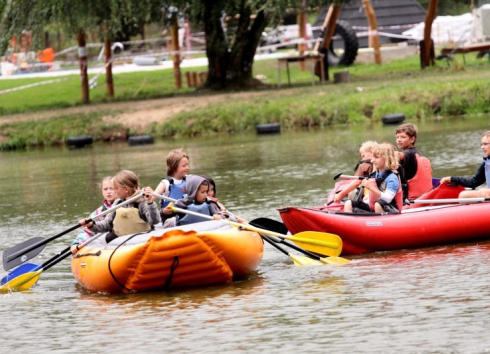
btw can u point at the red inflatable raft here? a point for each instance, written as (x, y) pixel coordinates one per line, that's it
(429, 225)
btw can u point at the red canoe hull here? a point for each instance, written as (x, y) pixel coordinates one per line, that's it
(365, 233)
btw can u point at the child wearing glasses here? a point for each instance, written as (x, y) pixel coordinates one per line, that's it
(481, 176)
(417, 171)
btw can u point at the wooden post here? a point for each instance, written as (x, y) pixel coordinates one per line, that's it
(323, 28)
(425, 54)
(108, 69)
(174, 33)
(188, 78)
(194, 79)
(373, 30)
(82, 57)
(302, 35)
(330, 25)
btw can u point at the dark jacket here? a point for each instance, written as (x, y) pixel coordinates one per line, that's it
(477, 180)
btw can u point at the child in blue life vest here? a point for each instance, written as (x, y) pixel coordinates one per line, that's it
(196, 201)
(385, 194)
(481, 176)
(173, 185)
(136, 217)
(222, 208)
(107, 189)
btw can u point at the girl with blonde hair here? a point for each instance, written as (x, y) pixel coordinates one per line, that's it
(139, 216)
(385, 194)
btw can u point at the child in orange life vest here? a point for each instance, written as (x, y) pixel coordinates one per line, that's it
(132, 218)
(417, 171)
(384, 188)
(481, 176)
(173, 185)
(363, 169)
(196, 201)
(222, 208)
(107, 189)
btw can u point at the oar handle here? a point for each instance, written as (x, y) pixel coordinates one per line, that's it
(49, 239)
(265, 238)
(453, 200)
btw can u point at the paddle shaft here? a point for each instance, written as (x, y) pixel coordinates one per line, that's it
(348, 177)
(453, 200)
(47, 240)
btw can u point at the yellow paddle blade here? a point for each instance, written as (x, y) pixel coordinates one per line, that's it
(22, 282)
(304, 260)
(334, 260)
(318, 242)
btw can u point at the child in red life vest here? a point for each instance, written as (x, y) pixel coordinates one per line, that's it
(417, 171)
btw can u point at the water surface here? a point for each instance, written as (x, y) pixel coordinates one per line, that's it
(425, 300)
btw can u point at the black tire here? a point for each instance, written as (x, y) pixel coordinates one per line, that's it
(140, 140)
(349, 42)
(394, 118)
(79, 141)
(268, 128)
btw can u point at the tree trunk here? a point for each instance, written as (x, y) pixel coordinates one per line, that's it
(426, 59)
(108, 69)
(82, 57)
(231, 68)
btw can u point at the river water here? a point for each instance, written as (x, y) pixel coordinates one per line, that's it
(416, 301)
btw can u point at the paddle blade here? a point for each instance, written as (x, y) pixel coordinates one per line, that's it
(298, 260)
(318, 242)
(335, 260)
(270, 224)
(24, 268)
(22, 282)
(22, 258)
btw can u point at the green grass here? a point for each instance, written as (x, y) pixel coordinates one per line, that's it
(375, 90)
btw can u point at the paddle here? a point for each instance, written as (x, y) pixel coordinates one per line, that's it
(278, 226)
(340, 175)
(318, 242)
(26, 250)
(296, 259)
(453, 200)
(26, 275)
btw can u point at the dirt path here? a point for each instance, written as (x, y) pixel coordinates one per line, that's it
(138, 114)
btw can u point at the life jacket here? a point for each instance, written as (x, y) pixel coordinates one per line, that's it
(197, 208)
(175, 191)
(422, 181)
(129, 221)
(487, 170)
(397, 201)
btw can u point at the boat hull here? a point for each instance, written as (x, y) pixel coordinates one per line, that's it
(204, 254)
(423, 227)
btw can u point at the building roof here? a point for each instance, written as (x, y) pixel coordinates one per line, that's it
(389, 13)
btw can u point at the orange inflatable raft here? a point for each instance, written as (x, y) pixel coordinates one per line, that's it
(204, 253)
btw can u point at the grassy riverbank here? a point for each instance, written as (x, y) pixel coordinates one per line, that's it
(375, 90)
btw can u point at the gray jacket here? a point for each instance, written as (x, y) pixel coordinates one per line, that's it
(148, 212)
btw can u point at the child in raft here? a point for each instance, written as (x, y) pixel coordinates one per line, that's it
(385, 194)
(481, 176)
(363, 168)
(107, 190)
(196, 201)
(222, 208)
(139, 216)
(173, 185)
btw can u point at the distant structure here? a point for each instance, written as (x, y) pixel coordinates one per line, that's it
(393, 17)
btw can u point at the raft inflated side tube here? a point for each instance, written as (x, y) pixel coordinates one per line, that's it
(79, 141)
(268, 128)
(394, 118)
